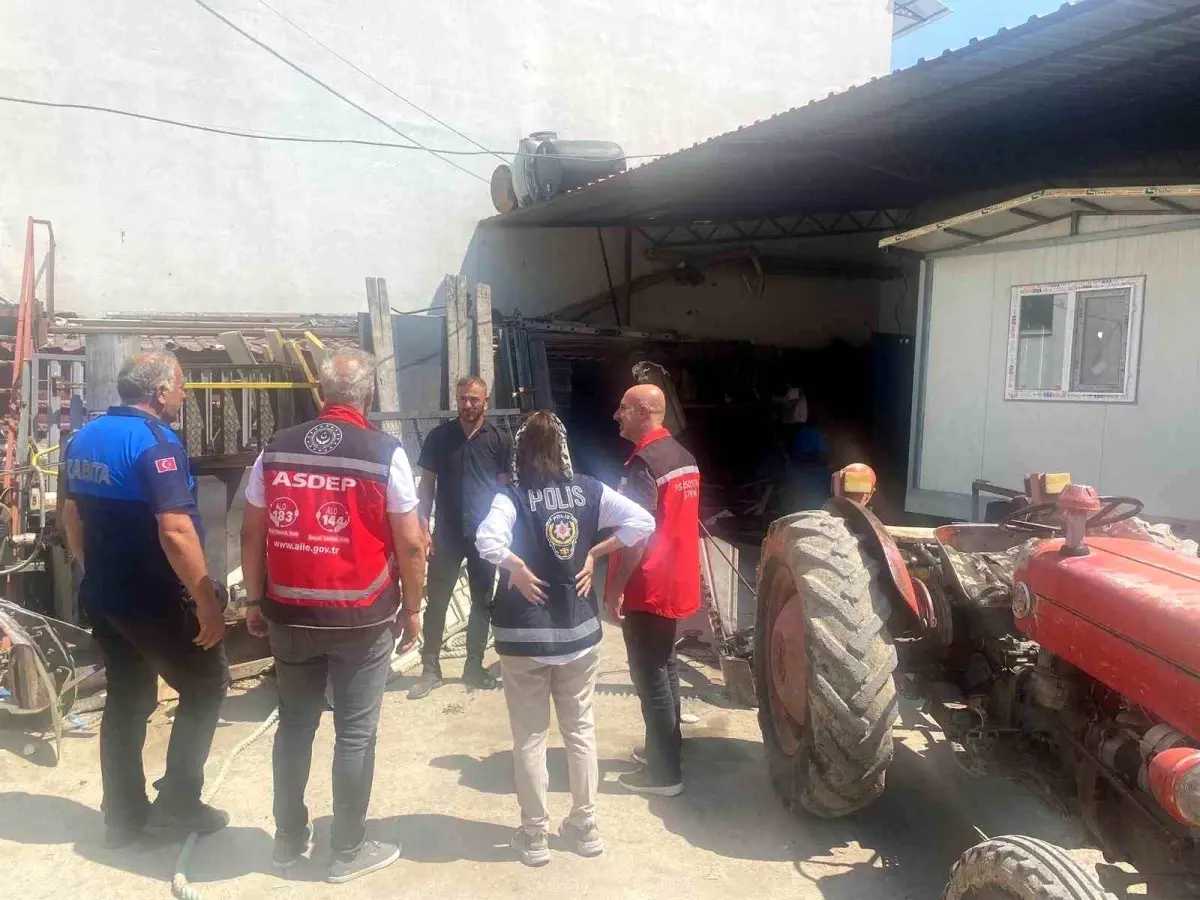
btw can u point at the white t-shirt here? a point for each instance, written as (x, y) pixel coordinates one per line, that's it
(401, 492)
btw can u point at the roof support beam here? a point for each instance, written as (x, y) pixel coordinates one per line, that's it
(1091, 207)
(1032, 216)
(1166, 203)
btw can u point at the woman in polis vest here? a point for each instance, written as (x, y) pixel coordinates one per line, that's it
(542, 531)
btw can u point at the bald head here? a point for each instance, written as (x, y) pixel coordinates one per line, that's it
(348, 378)
(642, 411)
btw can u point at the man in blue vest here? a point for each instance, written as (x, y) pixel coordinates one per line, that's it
(132, 524)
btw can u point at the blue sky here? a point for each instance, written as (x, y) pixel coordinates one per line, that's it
(971, 18)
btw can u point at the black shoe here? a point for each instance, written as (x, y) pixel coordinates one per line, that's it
(642, 782)
(371, 857)
(200, 818)
(429, 682)
(290, 849)
(477, 677)
(118, 837)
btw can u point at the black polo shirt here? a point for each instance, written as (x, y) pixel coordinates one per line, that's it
(468, 474)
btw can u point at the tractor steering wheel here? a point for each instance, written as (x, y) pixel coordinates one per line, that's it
(1019, 520)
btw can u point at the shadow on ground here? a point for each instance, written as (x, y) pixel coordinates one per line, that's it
(43, 819)
(494, 774)
(903, 845)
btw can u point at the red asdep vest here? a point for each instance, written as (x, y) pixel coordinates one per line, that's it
(667, 583)
(330, 559)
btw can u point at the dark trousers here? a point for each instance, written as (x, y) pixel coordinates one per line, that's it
(136, 651)
(650, 646)
(449, 550)
(356, 663)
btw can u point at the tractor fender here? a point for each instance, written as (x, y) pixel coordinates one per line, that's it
(875, 539)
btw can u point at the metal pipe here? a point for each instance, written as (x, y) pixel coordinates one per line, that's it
(167, 329)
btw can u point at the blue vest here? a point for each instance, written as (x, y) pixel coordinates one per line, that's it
(555, 528)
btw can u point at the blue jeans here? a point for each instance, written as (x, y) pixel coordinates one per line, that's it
(356, 663)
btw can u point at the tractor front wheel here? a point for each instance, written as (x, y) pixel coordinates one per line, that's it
(824, 665)
(1020, 868)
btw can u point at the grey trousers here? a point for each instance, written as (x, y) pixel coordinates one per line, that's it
(356, 663)
(529, 687)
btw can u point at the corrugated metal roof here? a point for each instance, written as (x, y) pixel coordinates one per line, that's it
(1041, 208)
(1063, 97)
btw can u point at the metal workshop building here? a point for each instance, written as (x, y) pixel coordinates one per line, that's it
(1010, 229)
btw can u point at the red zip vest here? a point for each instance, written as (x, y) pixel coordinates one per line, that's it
(667, 583)
(330, 560)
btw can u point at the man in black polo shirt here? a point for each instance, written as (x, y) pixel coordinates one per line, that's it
(465, 462)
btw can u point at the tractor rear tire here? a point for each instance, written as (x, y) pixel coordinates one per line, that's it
(1020, 868)
(831, 761)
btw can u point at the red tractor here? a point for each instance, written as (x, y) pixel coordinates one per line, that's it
(1060, 646)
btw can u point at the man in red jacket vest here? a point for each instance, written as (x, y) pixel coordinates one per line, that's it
(664, 585)
(330, 526)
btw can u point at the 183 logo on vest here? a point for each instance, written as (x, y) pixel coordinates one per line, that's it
(323, 438)
(562, 533)
(333, 517)
(283, 512)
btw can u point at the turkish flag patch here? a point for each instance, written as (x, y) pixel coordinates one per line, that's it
(166, 465)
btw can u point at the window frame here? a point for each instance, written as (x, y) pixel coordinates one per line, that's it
(1133, 340)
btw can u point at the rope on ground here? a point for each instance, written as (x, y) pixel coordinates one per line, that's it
(180, 887)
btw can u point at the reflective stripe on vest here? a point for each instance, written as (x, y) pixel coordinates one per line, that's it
(676, 473)
(327, 462)
(546, 635)
(323, 595)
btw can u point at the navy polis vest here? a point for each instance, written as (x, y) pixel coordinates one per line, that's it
(556, 527)
(330, 561)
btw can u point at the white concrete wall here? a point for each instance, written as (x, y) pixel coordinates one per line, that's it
(158, 218)
(1147, 449)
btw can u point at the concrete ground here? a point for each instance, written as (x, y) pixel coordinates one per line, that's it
(444, 787)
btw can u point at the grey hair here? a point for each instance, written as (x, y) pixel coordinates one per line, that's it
(141, 377)
(347, 377)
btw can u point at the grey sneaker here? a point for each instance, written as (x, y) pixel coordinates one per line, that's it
(642, 782)
(583, 839)
(429, 682)
(532, 850)
(371, 857)
(290, 849)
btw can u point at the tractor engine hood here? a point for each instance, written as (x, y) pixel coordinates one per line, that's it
(1128, 614)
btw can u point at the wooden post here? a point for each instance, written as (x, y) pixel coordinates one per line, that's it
(484, 352)
(387, 387)
(104, 354)
(458, 347)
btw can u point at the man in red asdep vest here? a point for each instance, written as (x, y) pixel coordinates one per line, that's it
(330, 525)
(664, 585)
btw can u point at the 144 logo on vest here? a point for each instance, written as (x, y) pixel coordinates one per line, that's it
(333, 517)
(562, 532)
(283, 512)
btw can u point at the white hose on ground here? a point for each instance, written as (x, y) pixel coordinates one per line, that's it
(179, 882)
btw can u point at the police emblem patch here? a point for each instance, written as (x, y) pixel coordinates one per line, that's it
(562, 533)
(323, 438)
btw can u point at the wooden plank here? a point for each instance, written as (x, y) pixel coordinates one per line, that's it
(297, 357)
(387, 387)
(458, 348)
(237, 348)
(276, 352)
(484, 352)
(317, 348)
